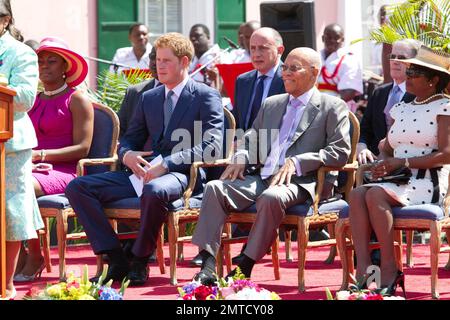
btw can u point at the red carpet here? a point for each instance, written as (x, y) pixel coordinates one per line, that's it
(318, 275)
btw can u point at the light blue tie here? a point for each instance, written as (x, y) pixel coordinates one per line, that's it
(394, 98)
(168, 109)
(278, 150)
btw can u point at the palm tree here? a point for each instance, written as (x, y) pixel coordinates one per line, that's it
(424, 20)
(112, 87)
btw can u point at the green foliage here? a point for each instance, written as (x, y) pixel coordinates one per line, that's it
(112, 87)
(424, 20)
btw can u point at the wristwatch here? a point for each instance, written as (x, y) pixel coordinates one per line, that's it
(406, 163)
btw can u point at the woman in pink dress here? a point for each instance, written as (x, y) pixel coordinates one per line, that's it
(63, 119)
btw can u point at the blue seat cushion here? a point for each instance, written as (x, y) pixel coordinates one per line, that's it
(419, 211)
(59, 201)
(135, 203)
(304, 210)
(54, 201)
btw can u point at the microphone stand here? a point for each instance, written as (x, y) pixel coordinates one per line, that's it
(209, 62)
(114, 64)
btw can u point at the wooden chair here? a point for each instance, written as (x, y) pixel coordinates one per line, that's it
(303, 217)
(426, 217)
(181, 211)
(102, 157)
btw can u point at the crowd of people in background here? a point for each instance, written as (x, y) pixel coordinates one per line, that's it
(306, 99)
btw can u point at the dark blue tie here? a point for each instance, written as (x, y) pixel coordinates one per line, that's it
(257, 100)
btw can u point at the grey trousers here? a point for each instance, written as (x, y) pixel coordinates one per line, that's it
(221, 197)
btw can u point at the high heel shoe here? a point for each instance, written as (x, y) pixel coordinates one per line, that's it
(25, 278)
(398, 281)
(12, 296)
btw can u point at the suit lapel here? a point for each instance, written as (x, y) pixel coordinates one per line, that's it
(310, 112)
(276, 118)
(277, 85)
(183, 104)
(156, 112)
(249, 83)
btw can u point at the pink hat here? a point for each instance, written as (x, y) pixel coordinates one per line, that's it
(77, 67)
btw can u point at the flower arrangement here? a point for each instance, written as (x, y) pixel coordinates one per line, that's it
(355, 292)
(235, 288)
(76, 288)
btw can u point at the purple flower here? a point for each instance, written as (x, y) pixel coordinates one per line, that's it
(107, 293)
(190, 287)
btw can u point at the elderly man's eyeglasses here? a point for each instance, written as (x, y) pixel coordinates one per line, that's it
(397, 56)
(412, 72)
(293, 67)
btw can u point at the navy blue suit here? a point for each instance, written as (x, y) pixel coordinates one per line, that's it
(244, 88)
(87, 195)
(373, 123)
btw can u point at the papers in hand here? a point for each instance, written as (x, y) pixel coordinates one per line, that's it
(138, 183)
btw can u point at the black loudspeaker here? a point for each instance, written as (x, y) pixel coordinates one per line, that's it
(294, 20)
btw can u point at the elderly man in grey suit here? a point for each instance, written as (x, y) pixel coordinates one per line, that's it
(312, 131)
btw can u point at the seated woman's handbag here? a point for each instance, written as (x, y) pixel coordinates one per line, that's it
(398, 176)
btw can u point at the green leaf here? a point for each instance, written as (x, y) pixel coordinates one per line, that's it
(329, 295)
(112, 87)
(424, 20)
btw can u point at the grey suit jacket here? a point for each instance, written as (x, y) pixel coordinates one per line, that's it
(322, 137)
(130, 101)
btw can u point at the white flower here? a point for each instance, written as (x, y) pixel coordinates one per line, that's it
(393, 298)
(342, 295)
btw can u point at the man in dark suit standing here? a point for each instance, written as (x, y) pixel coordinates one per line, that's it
(376, 120)
(168, 115)
(253, 87)
(134, 94)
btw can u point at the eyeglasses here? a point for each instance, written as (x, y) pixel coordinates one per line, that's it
(293, 67)
(415, 73)
(397, 56)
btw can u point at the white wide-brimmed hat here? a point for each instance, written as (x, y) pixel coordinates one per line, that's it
(430, 58)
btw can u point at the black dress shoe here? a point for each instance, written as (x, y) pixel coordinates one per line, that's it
(206, 278)
(238, 259)
(196, 261)
(152, 258)
(138, 274)
(116, 272)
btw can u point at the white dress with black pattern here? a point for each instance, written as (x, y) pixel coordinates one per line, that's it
(414, 134)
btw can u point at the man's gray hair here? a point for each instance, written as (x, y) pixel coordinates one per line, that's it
(412, 44)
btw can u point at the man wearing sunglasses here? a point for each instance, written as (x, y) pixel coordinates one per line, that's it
(376, 120)
(312, 130)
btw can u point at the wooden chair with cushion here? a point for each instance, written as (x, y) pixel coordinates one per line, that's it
(102, 157)
(424, 217)
(304, 217)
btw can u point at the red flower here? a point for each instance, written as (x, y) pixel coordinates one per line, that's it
(73, 284)
(374, 297)
(202, 292)
(187, 297)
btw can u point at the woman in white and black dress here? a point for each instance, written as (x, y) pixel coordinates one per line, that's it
(418, 139)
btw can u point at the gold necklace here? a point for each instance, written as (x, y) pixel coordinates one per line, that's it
(428, 99)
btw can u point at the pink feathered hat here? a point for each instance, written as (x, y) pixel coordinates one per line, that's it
(77, 67)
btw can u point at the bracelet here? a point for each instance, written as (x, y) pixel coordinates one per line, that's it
(43, 155)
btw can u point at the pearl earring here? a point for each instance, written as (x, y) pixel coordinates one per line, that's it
(64, 76)
(431, 84)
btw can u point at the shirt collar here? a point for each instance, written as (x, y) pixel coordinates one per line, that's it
(304, 98)
(402, 86)
(177, 90)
